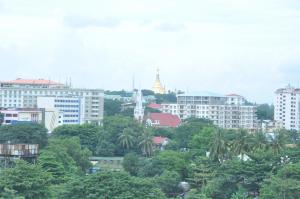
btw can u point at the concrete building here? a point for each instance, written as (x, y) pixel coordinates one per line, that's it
(171, 108)
(47, 117)
(229, 111)
(71, 109)
(13, 116)
(287, 107)
(270, 126)
(24, 93)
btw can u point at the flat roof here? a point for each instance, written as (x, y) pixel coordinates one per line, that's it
(202, 93)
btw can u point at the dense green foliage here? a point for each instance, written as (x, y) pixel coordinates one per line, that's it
(27, 180)
(265, 112)
(113, 185)
(112, 107)
(217, 163)
(24, 133)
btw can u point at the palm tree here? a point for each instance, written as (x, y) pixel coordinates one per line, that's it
(259, 141)
(146, 143)
(126, 139)
(278, 142)
(218, 147)
(241, 145)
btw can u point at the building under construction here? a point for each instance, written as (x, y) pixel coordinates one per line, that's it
(10, 152)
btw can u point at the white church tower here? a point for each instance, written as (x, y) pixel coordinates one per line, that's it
(139, 110)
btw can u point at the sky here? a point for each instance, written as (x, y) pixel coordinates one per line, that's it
(249, 47)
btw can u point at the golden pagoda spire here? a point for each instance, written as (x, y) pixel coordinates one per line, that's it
(157, 87)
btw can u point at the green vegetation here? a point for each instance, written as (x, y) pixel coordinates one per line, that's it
(265, 112)
(217, 163)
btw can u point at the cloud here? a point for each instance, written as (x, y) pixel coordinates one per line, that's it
(83, 22)
(170, 27)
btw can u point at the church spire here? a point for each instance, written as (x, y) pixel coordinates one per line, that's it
(139, 110)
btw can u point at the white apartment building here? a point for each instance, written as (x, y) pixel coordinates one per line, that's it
(71, 109)
(170, 108)
(229, 112)
(287, 107)
(24, 93)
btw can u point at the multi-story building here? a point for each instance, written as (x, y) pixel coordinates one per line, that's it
(228, 111)
(71, 109)
(170, 108)
(48, 117)
(24, 93)
(287, 107)
(12, 116)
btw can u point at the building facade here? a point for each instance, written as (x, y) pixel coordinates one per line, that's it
(24, 93)
(230, 112)
(287, 107)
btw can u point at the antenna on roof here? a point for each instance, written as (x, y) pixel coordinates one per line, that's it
(133, 86)
(70, 82)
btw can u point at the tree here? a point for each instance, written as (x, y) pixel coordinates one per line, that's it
(29, 181)
(218, 149)
(68, 153)
(112, 107)
(265, 112)
(146, 92)
(146, 143)
(126, 138)
(190, 127)
(241, 143)
(258, 141)
(168, 181)
(202, 140)
(277, 142)
(131, 163)
(32, 133)
(87, 133)
(171, 161)
(113, 185)
(284, 185)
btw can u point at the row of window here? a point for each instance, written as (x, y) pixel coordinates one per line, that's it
(65, 106)
(69, 101)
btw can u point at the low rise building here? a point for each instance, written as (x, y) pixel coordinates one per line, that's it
(162, 120)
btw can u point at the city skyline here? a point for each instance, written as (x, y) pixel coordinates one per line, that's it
(221, 46)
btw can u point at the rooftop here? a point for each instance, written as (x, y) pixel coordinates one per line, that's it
(155, 106)
(165, 119)
(202, 93)
(31, 81)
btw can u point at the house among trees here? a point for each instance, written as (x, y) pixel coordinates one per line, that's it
(160, 142)
(162, 120)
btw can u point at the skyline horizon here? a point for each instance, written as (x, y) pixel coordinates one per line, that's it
(222, 46)
(68, 81)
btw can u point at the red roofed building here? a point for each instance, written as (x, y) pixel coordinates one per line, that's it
(155, 106)
(37, 83)
(160, 142)
(163, 120)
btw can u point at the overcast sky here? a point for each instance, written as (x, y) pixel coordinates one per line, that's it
(249, 47)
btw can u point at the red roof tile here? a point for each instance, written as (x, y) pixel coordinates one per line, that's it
(155, 106)
(31, 81)
(165, 119)
(159, 140)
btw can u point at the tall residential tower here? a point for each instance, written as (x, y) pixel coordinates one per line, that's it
(287, 107)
